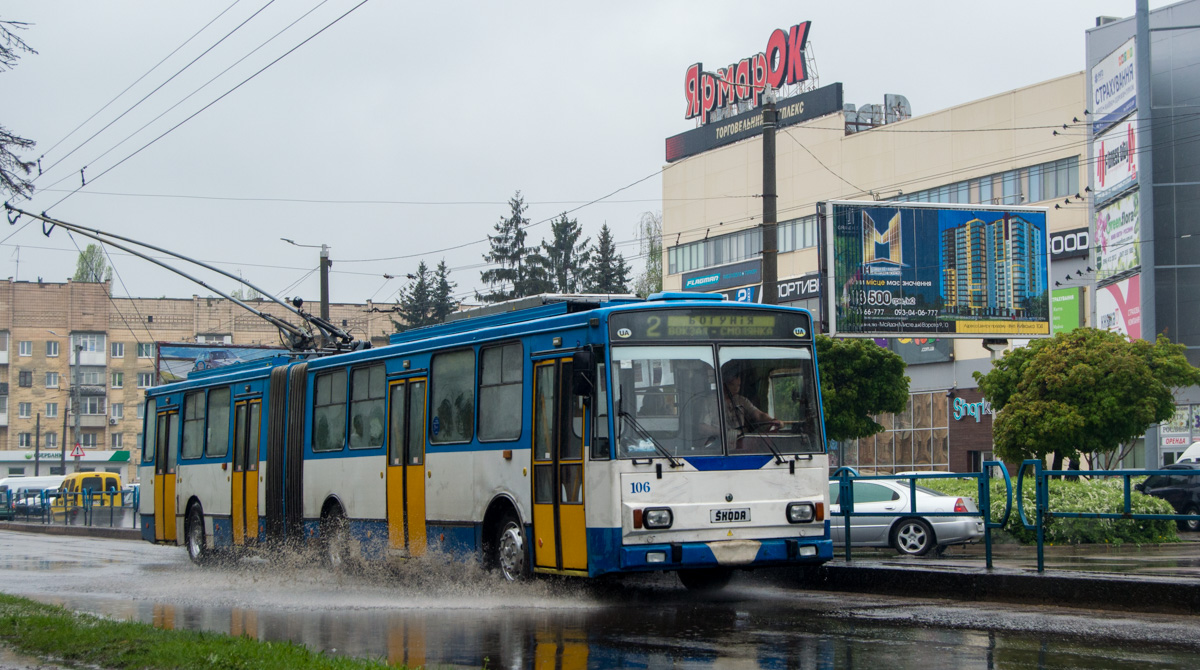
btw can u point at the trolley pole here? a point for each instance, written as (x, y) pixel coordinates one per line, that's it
(770, 228)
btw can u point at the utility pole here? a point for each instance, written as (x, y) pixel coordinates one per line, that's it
(325, 263)
(770, 228)
(37, 446)
(75, 402)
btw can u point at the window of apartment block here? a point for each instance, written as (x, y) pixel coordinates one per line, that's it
(25, 378)
(145, 380)
(117, 350)
(117, 441)
(51, 410)
(51, 440)
(25, 348)
(88, 440)
(118, 410)
(51, 349)
(25, 410)
(145, 350)
(25, 440)
(90, 342)
(141, 411)
(118, 380)
(90, 377)
(4, 341)
(51, 380)
(92, 405)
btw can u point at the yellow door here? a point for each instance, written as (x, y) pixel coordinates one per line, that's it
(166, 452)
(406, 466)
(559, 424)
(246, 426)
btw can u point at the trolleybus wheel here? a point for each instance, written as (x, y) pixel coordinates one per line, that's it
(510, 549)
(913, 537)
(335, 541)
(193, 533)
(706, 579)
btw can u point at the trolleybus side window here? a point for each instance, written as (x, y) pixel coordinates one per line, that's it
(367, 387)
(193, 425)
(600, 448)
(217, 445)
(452, 391)
(500, 386)
(329, 411)
(149, 444)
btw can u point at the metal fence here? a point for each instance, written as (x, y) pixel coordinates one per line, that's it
(113, 509)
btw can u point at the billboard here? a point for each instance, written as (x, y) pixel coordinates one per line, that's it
(910, 269)
(1118, 237)
(1114, 87)
(1115, 160)
(178, 360)
(1119, 307)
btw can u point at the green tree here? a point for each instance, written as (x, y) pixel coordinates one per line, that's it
(443, 299)
(1087, 393)
(416, 301)
(11, 166)
(608, 272)
(91, 266)
(565, 259)
(650, 246)
(516, 275)
(858, 379)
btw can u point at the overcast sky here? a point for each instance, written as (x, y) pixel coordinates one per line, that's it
(399, 132)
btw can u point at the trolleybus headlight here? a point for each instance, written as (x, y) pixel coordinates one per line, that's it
(657, 517)
(800, 512)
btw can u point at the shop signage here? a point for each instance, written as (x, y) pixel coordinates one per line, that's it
(1069, 244)
(782, 62)
(801, 288)
(1119, 307)
(1114, 87)
(1066, 309)
(964, 409)
(1118, 237)
(1114, 155)
(723, 277)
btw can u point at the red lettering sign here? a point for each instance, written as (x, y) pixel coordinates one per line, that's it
(781, 63)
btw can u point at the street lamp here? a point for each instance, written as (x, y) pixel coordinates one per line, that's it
(325, 263)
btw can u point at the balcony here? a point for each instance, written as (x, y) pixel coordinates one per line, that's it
(93, 421)
(3, 419)
(91, 389)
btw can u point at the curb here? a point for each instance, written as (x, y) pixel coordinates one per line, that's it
(78, 531)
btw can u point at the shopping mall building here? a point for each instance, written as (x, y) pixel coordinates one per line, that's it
(1048, 145)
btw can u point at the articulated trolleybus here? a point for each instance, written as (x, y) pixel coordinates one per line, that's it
(585, 435)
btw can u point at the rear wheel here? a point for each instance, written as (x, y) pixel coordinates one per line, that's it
(1191, 525)
(194, 537)
(707, 579)
(510, 549)
(335, 540)
(913, 537)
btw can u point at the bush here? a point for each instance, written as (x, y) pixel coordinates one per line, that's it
(1097, 495)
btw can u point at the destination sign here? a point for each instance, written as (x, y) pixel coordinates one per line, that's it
(710, 324)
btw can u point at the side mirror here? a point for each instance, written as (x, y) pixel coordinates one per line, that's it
(583, 373)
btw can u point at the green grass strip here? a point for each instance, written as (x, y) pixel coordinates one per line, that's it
(73, 638)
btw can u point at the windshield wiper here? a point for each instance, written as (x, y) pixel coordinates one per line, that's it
(643, 433)
(767, 441)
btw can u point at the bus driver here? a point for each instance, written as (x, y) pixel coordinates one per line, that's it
(741, 416)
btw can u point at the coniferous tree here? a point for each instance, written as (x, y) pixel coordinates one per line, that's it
(443, 302)
(608, 272)
(565, 258)
(416, 301)
(509, 253)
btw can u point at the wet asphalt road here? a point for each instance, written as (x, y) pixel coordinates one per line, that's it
(450, 615)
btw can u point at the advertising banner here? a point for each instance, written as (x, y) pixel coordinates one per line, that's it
(724, 276)
(177, 360)
(1066, 309)
(1118, 237)
(1114, 160)
(1069, 244)
(1114, 87)
(938, 270)
(916, 351)
(1119, 307)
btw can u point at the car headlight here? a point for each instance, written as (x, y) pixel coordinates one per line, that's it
(800, 512)
(657, 517)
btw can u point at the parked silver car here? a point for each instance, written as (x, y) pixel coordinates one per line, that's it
(908, 533)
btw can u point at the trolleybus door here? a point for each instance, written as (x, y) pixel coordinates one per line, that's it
(166, 451)
(406, 467)
(247, 418)
(559, 527)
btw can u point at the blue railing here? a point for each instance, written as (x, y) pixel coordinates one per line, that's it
(1041, 495)
(846, 477)
(86, 508)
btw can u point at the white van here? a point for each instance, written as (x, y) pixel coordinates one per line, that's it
(1191, 454)
(34, 484)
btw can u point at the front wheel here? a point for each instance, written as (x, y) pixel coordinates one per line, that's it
(510, 550)
(194, 539)
(1191, 525)
(913, 537)
(707, 579)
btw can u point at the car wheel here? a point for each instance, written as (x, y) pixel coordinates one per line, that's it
(194, 538)
(509, 547)
(708, 579)
(1191, 525)
(913, 537)
(335, 540)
